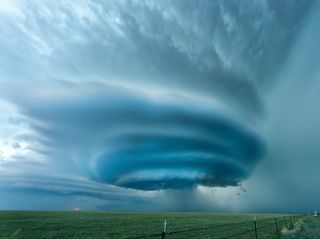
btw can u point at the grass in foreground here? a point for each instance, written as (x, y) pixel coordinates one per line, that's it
(308, 228)
(63, 224)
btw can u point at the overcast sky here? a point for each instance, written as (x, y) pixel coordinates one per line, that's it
(160, 105)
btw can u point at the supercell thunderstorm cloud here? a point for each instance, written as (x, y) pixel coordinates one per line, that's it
(148, 141)
(106, 102)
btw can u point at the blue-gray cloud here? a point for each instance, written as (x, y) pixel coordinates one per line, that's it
(221, 49)
(144, 140)
(140, 94)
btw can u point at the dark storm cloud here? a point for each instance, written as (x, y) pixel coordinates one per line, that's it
(141, 94)
(144, 140)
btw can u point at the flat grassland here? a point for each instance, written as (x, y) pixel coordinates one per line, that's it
(117, 225)
(309, 228)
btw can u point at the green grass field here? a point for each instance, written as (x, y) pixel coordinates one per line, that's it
(310, 228)
(63, 224)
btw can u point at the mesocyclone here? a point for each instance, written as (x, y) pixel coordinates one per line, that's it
(177, 143)
(143, 139)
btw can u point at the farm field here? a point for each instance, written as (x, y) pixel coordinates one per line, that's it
(65, 224)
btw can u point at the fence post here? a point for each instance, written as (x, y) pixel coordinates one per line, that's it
(291, 223)
(285, 221)
(277, 228)
(255, 226)
(164, 229)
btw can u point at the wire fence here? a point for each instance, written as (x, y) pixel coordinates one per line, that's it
(267, 228)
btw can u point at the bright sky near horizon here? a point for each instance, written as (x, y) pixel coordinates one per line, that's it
(160, 105)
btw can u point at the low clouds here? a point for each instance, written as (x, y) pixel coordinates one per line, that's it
(144, 95)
